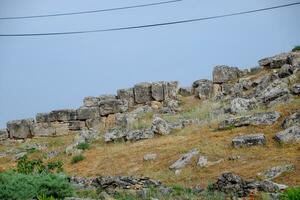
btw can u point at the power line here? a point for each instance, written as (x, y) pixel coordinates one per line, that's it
(149, 25)
(90, 11)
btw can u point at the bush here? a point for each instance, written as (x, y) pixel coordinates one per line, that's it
(77, 159)
(26, 166)
(58, 165)
(17, 186)
(291, 194)
(83, 146)
(296, 48)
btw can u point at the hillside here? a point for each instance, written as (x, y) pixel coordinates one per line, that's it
(243, 122)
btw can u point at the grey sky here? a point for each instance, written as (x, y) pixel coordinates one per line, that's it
(39, 74)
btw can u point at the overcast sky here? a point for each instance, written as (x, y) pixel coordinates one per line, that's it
(40, 74)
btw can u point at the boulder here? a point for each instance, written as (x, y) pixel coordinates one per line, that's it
(170, 106)
(126, 94)
(276, 171)
(249, 140)
(150, 156)
(105, 97)
(291, 134)
(43, 129)
(271, 187)
(157, 91)
(127, 119)
(223, 74)
(160, 126)
(114, 135)
(185, 91)
(96, 123)
(112, 106)
(171, 90)
(85, 113)
(90, 101)
(233, 90)
(142, 93)
(203, 89)
(262, 118)
(295, 58)
(76, 125)
(139, 135)
(65, 115)
(292, 120)
(184, 160)
(3, 134)
(275, 61)
(20, 129)
(239, 105)
(285, 71)
(296, 89)
(261, 83)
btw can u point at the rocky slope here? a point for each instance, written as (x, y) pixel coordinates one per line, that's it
(239, 131)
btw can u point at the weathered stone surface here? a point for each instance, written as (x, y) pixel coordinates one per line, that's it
(269, 186)
(185, 91)
(275, 61)
(90, 101)
(171, 90)
(20, 129)
(76, 125)
(126, 94)
(142, 93)
(3, 134)
(150, 156)
(42, 117)
(114, 135)
(139, 135)
(112, 106)
(203, 89)
(232, 90)
(239, 105)
(202, 161)
(263, 82)
(291, 134)
(96, 123)
(285, 71)
(43, 129)
(249, 140)
(262, 118)
(157, 91)
(65, 115)
(223, 74)
(296, 88)
(295, 58)
(127, 119)
(276, 171)
(160, 126)
(85, 113)
(292, 120)
(184, 160)
(105, 97)
(170, 106)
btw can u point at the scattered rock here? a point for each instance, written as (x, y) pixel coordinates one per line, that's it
(275, 61)
(223, 74)
(160, 126)
(239, 105)
(202, 161)
(20, 129)
(139, 135)
(269, 186)
(291, 134)
(285, 71)
(292, 120)
(171, 106)
(249, 140)
(150, 156)
(114, 135)
(3, 134)
(262, 118)
(184, 160)
(296, 88)
(277, 171)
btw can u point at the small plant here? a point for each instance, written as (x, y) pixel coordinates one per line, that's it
(26, 166)
(296, 48)
(58, 165)
(77, 158)
(83, 146)
(43, 197)
(291, 194)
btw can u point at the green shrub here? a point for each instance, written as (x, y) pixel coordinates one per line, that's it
(58, 165)
(17, 186)
(26, 166)
(43, 197)
(291, 194)
(83, 146)
(296, 48)
(77, 159)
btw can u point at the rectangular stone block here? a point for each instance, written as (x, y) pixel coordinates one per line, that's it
(20, 129)
(85, 113)
(142, 93)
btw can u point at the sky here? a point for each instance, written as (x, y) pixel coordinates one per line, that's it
(40, 74)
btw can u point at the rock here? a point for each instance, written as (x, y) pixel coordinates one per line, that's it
(3, 134)
(285, 71)
(157, 91)
(249, 140)
(185, 91)
(82, 183)
(20, 129)
(126, 94)
(156, 105)
(275, 61)
(203, 89)
(296, 88)
(184, 160)
(234, 157)
(61, 128)
(269, 186)
(261, 83)
(239, 105)
(20, 155)
(233, 90)
(246, 83)
(223, 74)
(85, 113)
(292, 120)
(160, 126)
(76, 125)
(96, 123)
(142, 93)
(150, 156)
(43, 129)
(112, 106)
(262, 118)
(170, 106)
(105, 97)
(202, 161)
(91, 101)
(114, 135)
(291, 134)
(171, 90)
(295, 58)
(35, 146)
(65, 115)
(52, 154)
(139, 135)
(277, 171)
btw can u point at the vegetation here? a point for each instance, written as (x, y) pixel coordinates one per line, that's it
(291, 194)
(77, 158)
(83, 146)
(296, 48)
